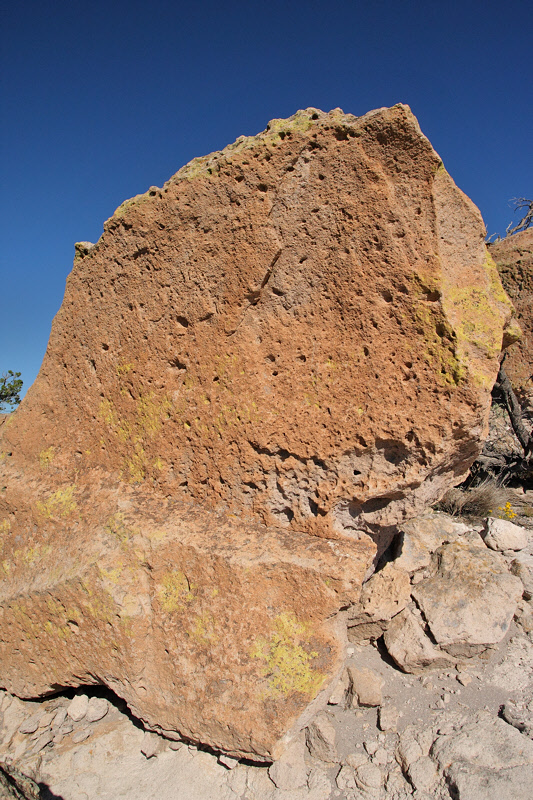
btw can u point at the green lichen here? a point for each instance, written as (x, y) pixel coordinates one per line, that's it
(175, 591)
(60, 504)
(286, 658)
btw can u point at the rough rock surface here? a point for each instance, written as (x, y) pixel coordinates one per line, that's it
(470, 601)
(514, 259)
(291, 342)
(501, 534)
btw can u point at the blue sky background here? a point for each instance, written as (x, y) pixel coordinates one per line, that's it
(99, 101)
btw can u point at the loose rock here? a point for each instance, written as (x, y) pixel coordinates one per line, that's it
(77, 708)
(320, 738)
(501, 534)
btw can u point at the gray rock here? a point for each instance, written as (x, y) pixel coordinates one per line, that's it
(470, 601)
(290, 771)
(77, 708)
(97, 709)
(422, 773)
(345, 779)
(320, 738)
(520, 715)
(31, 724)
(409, 646)
(228, 761)
(522, 567)
(501, 534)
(43, 740)
(475, 783)
(59, 718)
(81, 736)
(486, 759)
(152, 744)
(422, 536)
(388, 718)
(368, 776)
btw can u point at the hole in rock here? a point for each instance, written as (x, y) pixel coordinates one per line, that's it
(341, 134)
(314, 116)
(387, 296)
(286, 514)
(277, 292)
(105, 346)
(177, 363)
(262, 187)
(182, 321)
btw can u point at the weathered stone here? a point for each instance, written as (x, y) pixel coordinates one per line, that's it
(486, 758)
(208, 419)
(341, 694)
(470, 601)
(388, 718)
(522, 567)
(501, 534)
(420, 538)
(152, 744)
(369, 776)
(514, 259)
(320, 738)
(366, 686)
(422, 773)
(290, 771)
(77, 708)
(97, 709)
(227, 761)
(31, 724)
(59, 717)
(409, 646)
(383, 596)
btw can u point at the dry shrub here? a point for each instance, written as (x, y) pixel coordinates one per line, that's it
(476, 502)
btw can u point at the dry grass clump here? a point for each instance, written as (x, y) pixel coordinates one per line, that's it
(486, 499)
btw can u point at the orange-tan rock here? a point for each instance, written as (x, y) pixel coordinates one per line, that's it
(514, 258)
(257, 368)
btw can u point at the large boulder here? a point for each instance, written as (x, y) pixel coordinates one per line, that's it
(258, 367)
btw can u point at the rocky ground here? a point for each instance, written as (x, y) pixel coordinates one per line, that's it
(457, 724)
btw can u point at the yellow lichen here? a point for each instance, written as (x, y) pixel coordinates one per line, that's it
(117, 527)
(46, 457)
(203, 631)
(175, 591)
(59, 504)
(286, 661)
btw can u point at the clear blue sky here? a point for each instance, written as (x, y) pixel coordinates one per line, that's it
(102, 100)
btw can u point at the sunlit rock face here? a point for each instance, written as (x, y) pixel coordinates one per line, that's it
(257, 370)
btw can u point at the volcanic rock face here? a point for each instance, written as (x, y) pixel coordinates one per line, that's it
(514, 258)
(289, 345)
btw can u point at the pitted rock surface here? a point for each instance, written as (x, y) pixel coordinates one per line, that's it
(290, 344)
(514, 258)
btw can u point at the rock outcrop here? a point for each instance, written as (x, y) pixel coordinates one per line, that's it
(514, 259)
(286, 350)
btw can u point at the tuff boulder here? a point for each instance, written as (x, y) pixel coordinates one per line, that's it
(256, 373)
